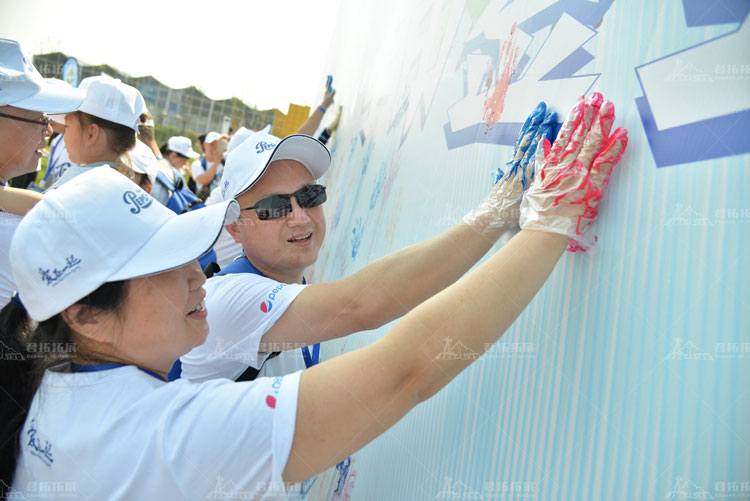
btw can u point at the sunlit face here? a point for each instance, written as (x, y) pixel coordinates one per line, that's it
(21, 142)
(178, 161)
(74, 137)
(158, 323)
(281, 248)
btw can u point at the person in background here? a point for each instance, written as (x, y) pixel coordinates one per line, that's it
(24, 128)
(177, 152)
(207, 170)
(102, 131)
(311, 125)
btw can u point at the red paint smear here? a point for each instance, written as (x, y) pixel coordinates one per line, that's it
(493, 105)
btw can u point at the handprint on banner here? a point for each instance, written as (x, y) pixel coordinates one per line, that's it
(695, 102)
(510, 59)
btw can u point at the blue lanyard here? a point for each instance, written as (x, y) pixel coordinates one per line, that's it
(106, 367)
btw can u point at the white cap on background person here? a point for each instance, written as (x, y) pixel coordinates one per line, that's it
(183, 146)
(101, 227)
(239, 136)
(249, 161)
(143, 161)
(112, 100)
(212, 136)
(22, 86)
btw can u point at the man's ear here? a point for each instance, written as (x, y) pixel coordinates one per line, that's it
(88, 323)
(233, 229)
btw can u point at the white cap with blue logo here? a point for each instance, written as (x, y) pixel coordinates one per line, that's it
(101, 227)
(22, 86)
(247, 162)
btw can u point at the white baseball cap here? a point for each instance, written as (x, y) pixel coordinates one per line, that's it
(182, 145)
(242, 134)
(22, 86)
(211, 137)
(100, 227)
(249, 161)
(143, 160)
(112, 100)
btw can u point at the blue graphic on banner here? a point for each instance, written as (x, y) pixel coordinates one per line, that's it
(702, 13)
(706, 75)
(573, 20)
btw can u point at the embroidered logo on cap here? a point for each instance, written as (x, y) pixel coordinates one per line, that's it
(264, 146)
(55, 276)
(139, 202)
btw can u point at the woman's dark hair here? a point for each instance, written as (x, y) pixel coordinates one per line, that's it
(27, 351)
(120, 138)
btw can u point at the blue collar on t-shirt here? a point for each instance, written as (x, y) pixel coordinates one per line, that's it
(104, 367)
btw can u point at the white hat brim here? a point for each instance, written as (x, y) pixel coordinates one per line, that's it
(182, 239)
(299, 147)
(53, 99)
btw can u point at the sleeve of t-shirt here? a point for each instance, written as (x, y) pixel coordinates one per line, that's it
(242, 307)
(196, 168)
(229, 439)
(8, 224)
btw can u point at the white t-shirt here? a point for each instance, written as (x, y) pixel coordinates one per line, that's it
(196, 169)
(59, 161)
(124, 434)
(8, 225)
(225, 247)
(242, 307)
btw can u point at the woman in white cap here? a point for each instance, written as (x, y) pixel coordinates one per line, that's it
(122, 297)
(25, 96)
(103, 129)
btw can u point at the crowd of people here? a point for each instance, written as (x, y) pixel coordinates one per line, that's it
(166, 338)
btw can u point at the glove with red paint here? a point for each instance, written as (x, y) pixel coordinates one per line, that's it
(565, 194)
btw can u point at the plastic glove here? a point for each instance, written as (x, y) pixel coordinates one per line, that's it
(564, 198)
(499, 209)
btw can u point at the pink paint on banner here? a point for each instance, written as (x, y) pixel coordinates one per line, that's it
(495, 103)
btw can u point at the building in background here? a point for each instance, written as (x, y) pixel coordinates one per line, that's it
(186, 111)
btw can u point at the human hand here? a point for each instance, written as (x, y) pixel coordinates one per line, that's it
(565, 194)
(500, 208)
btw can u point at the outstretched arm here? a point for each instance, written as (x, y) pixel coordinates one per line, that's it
(312, 123)
(396, 283)
(345, 402)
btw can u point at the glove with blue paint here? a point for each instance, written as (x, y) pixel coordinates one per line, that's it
(565, 194)
(501, 208)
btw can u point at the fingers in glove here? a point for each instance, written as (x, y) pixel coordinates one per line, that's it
(608, 156)
(598, 134)
(526, 138)
(546, 132)
(591, 109)
(574, 118)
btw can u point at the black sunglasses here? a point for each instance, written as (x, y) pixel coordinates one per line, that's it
(277, 206)
(45, 120)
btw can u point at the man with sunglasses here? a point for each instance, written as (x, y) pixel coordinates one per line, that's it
(25, 96)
